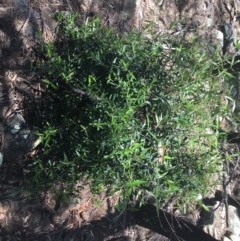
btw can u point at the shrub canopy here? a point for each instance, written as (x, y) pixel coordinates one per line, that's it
(137, 113)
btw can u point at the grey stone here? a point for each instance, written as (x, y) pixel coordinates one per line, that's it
(219, 37)
(234, 223)
(18, 139)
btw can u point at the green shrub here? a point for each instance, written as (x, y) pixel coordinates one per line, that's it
(116, 104)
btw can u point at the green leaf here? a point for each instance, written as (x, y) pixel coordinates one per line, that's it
(135, 183)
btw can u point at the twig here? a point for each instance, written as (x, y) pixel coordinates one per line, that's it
(225, 183)
(172, 227)
(225, 198)
(26, 21)
(84, 94)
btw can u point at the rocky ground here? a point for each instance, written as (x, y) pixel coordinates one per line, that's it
(85, 216)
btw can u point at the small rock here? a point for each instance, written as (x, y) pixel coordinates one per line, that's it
(234, 223)
(219, 37)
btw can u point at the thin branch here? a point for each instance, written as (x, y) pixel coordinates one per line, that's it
(84, 94)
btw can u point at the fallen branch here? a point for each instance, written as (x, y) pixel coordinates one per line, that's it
(83, 94)
(168, 225)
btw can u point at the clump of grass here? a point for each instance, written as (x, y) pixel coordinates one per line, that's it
(135, 113)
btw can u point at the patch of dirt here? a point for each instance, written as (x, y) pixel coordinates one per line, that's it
(82, 216)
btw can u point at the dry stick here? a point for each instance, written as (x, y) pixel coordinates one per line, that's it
(172, 229)
(225, 184)
(231, 201)
(22, 28)
(147, 217)
(225, 198)
(84, 94)
(221, 195)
